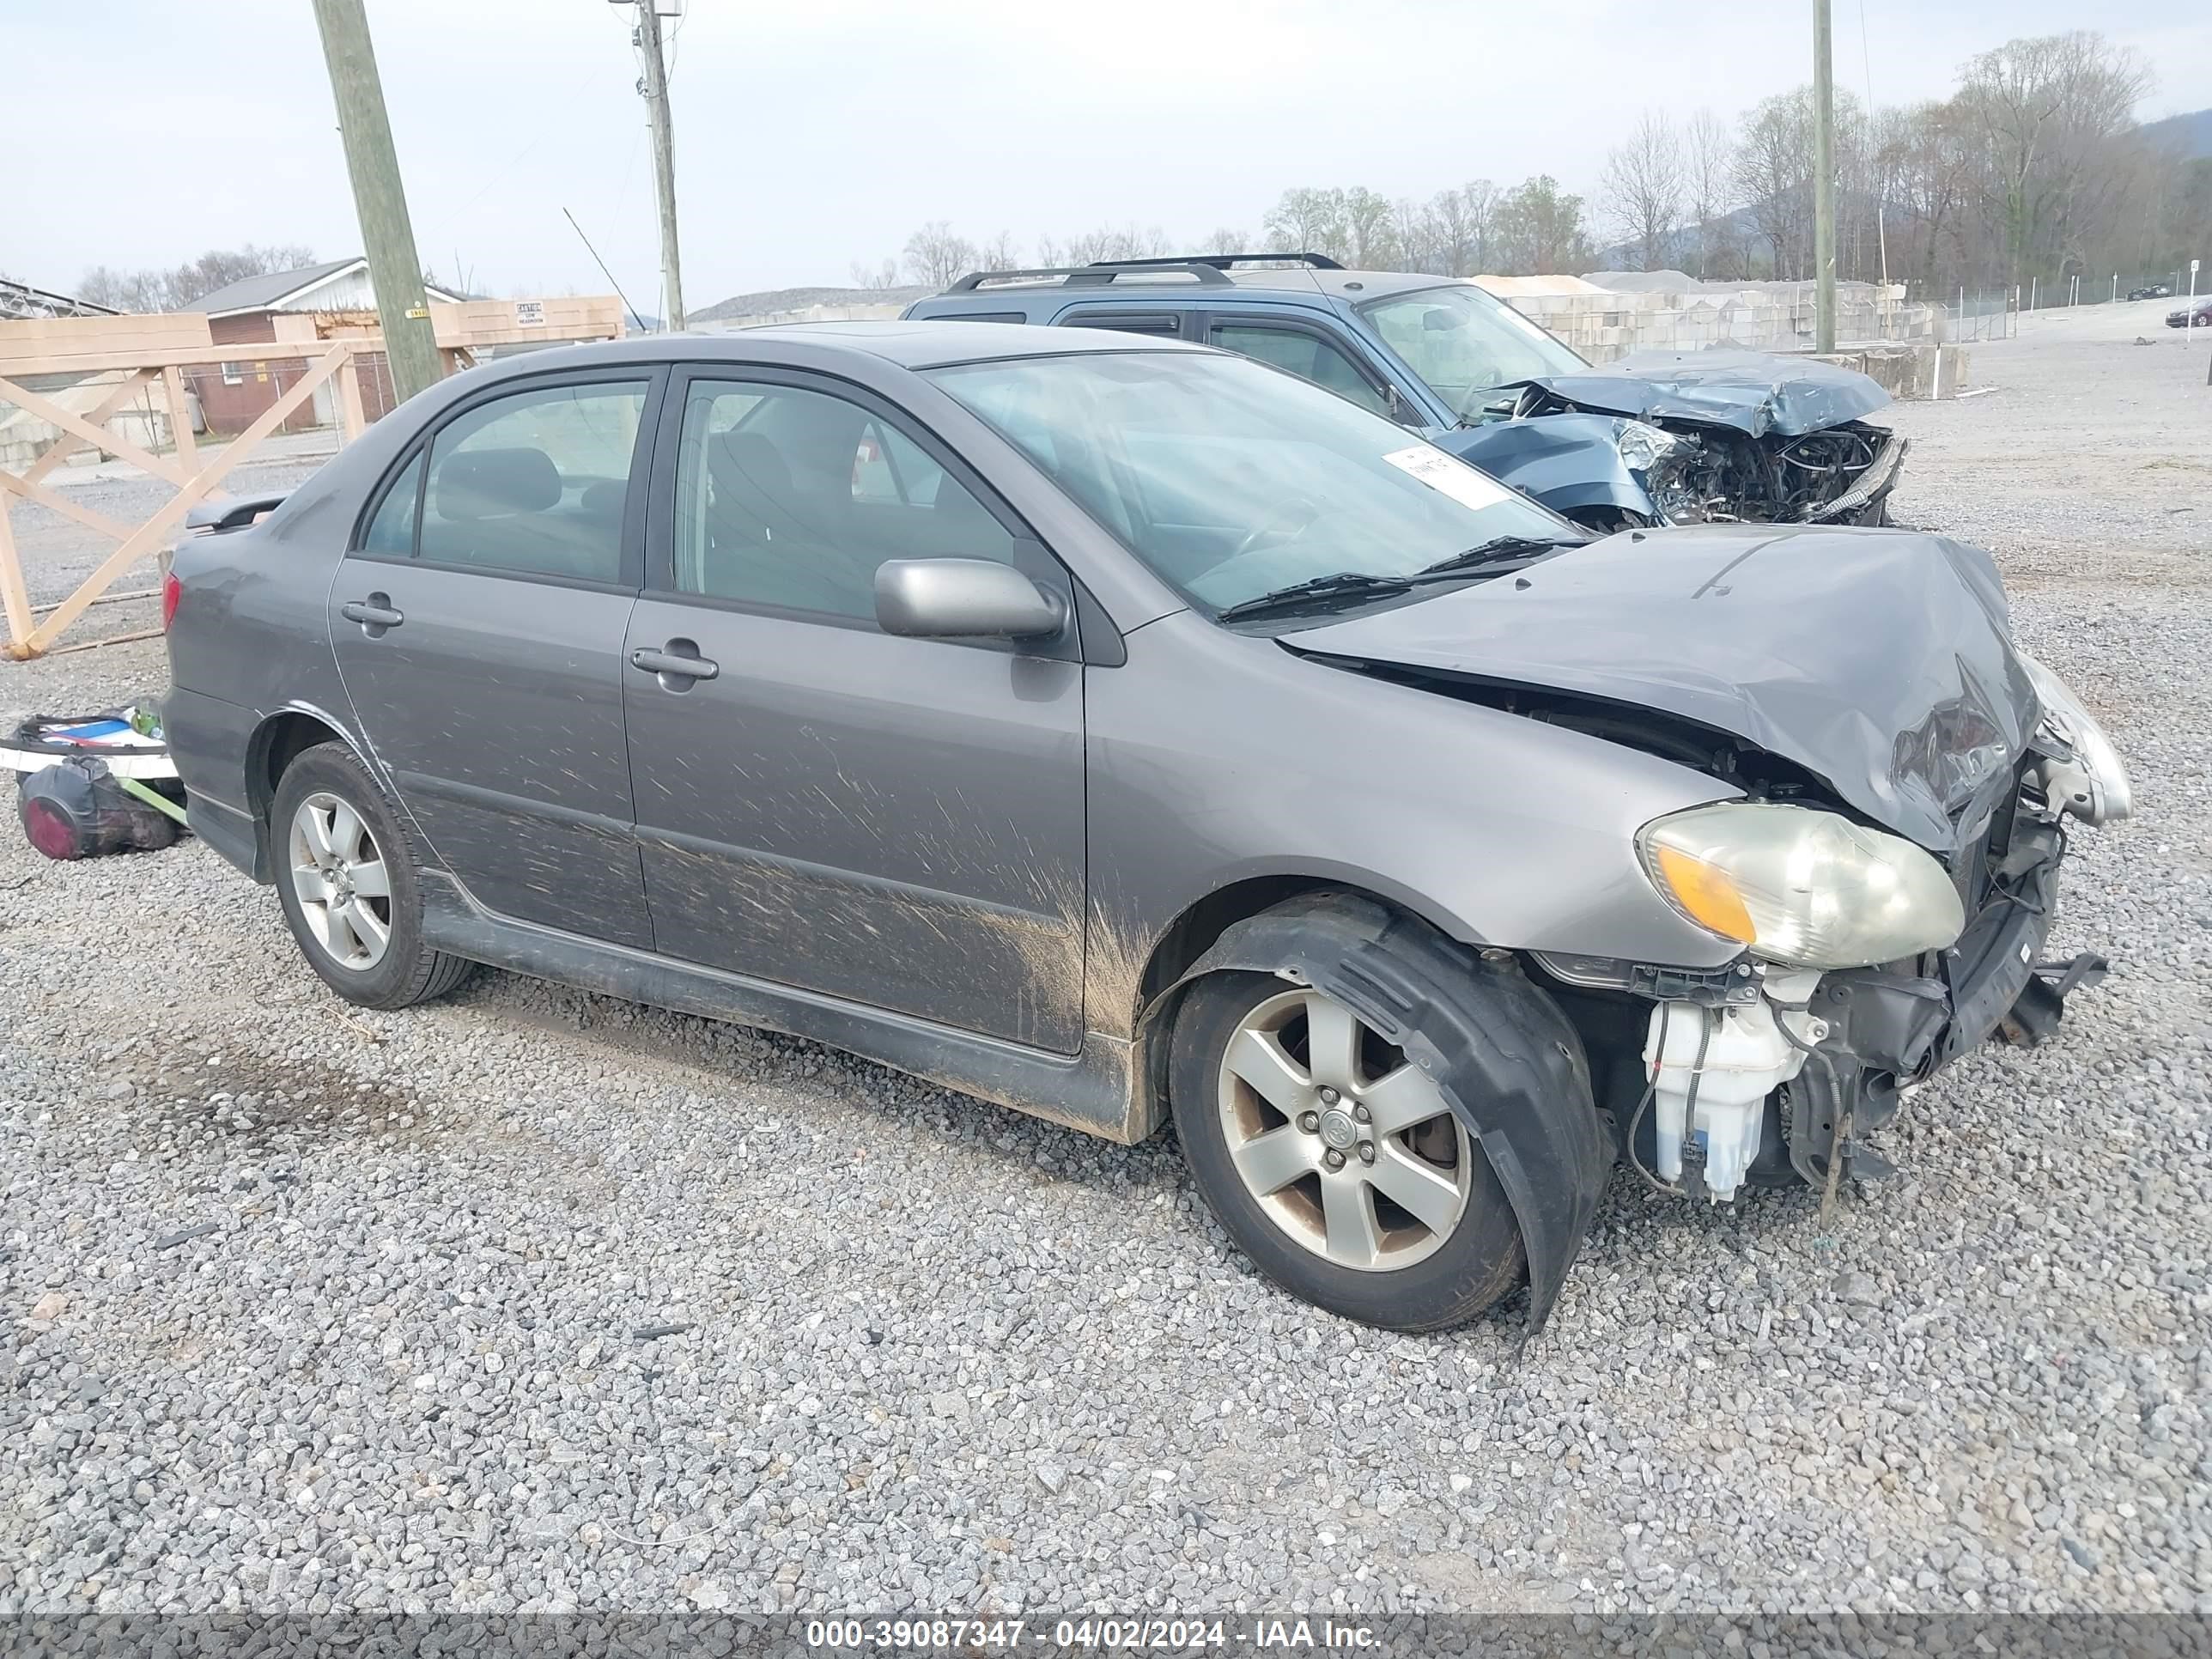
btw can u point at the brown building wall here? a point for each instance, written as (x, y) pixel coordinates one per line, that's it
(233, 394)
(262, 379)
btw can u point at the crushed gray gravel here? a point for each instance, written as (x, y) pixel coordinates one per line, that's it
(537, 1301)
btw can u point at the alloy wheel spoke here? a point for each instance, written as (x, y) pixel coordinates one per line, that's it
(1404, 1098)
(1332, 1042)
(1259, 1060)
(369, 927)
(1272, 1161)
(1348, 1210)
(1427, 1194)
(345, 831)
(317, 828)
(345, 942)
(308, 882)
(372, 880)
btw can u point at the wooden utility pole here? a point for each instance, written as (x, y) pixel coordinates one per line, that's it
(1824, 183)
(410, 345)
(664, 159)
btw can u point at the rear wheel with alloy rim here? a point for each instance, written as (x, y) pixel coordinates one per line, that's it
(346, 877)
(1332, 1160)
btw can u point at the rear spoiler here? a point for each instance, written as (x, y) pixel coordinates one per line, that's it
(230, 513)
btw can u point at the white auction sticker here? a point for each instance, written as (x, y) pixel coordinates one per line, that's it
(1449, 474)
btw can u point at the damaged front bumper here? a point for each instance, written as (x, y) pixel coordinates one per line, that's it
(1775, 1076)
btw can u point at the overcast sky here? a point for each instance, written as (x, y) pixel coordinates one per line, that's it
(810, 136)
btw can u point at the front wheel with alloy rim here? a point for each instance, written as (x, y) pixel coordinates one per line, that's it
(1333, 1161)
(346, 877)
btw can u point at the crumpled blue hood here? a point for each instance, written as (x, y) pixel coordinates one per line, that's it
(1750, 391)
(1881, 661)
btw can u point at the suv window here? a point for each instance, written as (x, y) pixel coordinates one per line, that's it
(1306, 355)
(536, 482)
(790, 498)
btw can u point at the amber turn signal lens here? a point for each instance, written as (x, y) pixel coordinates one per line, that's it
(1706, 894)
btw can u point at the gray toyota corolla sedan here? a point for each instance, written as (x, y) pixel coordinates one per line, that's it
(1119, 729)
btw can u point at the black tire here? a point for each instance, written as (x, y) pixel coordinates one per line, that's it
(408, 971)
(1478, 1263)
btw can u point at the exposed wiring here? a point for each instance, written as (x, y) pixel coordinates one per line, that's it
(1636, 1122)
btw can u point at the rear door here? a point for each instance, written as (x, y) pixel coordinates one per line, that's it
(478, 625)
(895, 822)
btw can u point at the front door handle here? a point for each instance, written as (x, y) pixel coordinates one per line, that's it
(375, 614)
(679, 665)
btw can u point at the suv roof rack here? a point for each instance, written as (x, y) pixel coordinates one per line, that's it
(1098, 275)
(1221, 261)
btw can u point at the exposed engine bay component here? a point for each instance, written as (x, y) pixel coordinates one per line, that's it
(1711, 1071)
(1719, 474)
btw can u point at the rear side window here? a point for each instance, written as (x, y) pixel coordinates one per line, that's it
(391, 532)
(537, 482)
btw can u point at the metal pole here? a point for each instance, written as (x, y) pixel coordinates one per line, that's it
(664, 160)
(410, 345)
(1824, 182)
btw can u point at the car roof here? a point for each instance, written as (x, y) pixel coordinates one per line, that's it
(921, 344)
(1169, 284)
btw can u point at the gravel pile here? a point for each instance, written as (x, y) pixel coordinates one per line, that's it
(537, 1301)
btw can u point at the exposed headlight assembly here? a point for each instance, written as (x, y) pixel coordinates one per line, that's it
(2091, 782)
(1800, 886)
(1662, 461)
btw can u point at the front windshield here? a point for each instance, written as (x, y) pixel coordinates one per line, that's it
(1465, 343)
(1232, 480)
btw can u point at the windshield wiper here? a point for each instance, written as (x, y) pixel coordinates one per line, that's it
(1499, 553)
(1316, 593)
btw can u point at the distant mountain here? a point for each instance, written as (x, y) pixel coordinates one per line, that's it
(2190, 136)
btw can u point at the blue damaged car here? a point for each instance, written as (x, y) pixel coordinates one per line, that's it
(1706, 437)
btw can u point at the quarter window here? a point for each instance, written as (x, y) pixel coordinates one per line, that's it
(536, 482)
(1307, 355)
(391, 532)
(789, 498)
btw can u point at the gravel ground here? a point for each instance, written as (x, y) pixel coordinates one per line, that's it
(535, 1300)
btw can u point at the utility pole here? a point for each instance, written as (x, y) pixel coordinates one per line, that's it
(664, 159)
(410, 345)
(1824, 183)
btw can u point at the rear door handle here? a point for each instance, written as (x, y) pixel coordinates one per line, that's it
(374, 613)
(681, 661)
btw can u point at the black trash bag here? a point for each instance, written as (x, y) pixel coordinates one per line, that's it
(75, 810)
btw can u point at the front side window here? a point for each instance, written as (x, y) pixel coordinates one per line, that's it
(1466, 344)
(536, 482)
(1305, 354)
(1232, 480)
(789, 498)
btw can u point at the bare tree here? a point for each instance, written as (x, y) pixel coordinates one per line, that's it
(935, 257)
(1129, 241)
(883, 276)
(1367, 229)
(2050, 109)
(1709, 182)
(1002, 253)
(179, 285)
(1643, 185)
(1308, 220)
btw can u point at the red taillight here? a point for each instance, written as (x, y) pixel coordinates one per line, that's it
(172, 591)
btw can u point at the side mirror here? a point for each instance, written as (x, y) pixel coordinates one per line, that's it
(962, 599)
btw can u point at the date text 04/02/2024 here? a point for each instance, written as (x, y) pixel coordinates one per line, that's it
(1091, 1634)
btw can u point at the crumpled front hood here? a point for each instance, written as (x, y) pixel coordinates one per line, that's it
(1880, 661)
(1750, 391)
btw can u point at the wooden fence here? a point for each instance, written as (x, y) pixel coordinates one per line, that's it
(130, 356)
